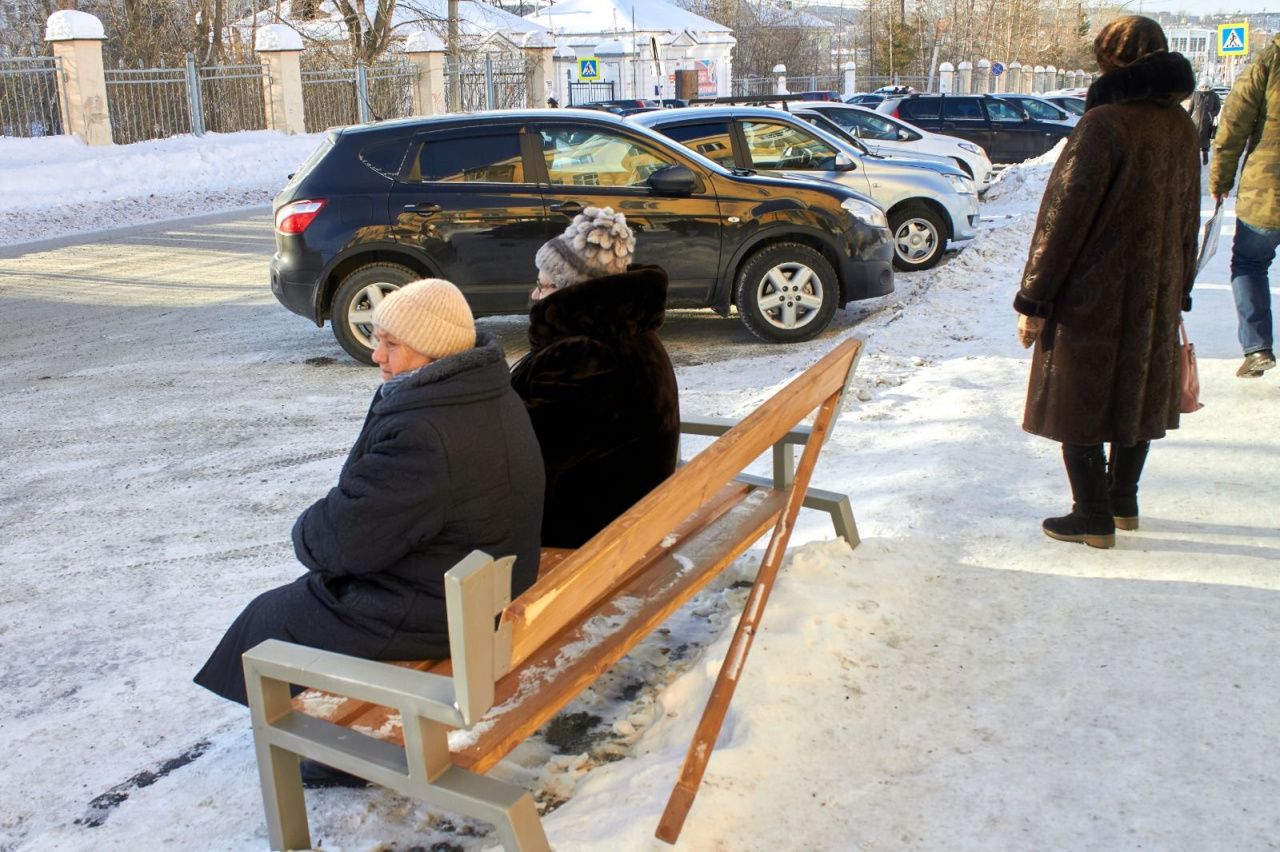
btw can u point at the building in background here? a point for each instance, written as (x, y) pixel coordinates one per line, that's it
(637, 46)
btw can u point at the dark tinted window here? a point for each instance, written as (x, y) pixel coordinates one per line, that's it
(385, 158)
(1041, 110)
(962, 108)
(472, 159)
(918, 108)
(710, 139)
(1001, 111)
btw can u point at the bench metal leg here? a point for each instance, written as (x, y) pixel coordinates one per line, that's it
(282, 796)
(833, 503)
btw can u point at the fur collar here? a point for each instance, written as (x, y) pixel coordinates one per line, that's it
(1163, 78)
(623, 305)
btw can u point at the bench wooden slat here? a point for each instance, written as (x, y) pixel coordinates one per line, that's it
(527, 698)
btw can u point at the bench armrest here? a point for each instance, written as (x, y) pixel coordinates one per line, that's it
(427, 695)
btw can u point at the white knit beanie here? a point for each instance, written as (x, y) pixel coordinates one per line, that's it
(597, 242)
(430, 316)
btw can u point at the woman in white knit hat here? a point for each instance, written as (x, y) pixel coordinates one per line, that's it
(597, 381)
(446, 463)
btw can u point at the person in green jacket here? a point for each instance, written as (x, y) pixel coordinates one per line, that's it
(1250, 127)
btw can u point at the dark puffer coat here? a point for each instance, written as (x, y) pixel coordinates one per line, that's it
(1113, 259)
(602, 396)
(446, 463)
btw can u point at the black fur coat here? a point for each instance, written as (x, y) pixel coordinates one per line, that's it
(601, 393)
(1112, 261)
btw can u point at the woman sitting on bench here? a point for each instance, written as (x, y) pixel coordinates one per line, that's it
(446, 463)
(597, 381)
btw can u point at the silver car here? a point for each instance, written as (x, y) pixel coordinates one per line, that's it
(927, 203)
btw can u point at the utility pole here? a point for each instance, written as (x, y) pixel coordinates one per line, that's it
(937, 43)
(454, 60)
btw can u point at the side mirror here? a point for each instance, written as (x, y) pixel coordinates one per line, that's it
(673, 180)
(844, 163)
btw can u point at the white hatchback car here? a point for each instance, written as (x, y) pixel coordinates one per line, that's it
(886, 136)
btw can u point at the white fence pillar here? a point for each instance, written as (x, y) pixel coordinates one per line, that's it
(947, 78)
(964, 85)
(426, 53)
(780, 88)
(982, 77)
(850, 78)
(280, 47)
(542, 50)
(1014, 73)
(77, 39)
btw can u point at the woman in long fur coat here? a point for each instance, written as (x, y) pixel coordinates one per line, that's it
(1110, 267)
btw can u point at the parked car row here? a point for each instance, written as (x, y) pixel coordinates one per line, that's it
(785, 215)
(999, 125)
(471, 198)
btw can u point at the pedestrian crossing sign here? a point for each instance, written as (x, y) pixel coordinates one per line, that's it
(1233, 39)
(589, 68)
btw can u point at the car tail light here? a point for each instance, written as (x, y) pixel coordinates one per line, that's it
(294, 217)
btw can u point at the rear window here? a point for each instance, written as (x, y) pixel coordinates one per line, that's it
(325, 146)
(962, 108)
(386, 157)
(918, 108)
(471, 159)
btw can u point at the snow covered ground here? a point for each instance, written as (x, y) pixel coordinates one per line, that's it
(956, 682)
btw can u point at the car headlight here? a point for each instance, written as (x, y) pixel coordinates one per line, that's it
(969, 146)
(962, 185)
(866, 212)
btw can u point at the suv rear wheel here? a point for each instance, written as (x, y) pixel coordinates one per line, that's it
(918, 237)
(786, 293)
(351, 312)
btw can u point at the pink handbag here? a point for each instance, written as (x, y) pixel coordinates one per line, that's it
(1189, 400)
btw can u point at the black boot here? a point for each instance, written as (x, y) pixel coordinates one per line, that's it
(1090, 520)
(1123, 472)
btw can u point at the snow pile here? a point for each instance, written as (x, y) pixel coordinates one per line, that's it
(1026, 180)
(55, 185)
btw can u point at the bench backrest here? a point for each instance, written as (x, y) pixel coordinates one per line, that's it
(556, 599)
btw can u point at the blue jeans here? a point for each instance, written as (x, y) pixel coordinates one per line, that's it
(1251, 256)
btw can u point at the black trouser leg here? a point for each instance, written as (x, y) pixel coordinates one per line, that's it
(1124, 471)
(1090, 520)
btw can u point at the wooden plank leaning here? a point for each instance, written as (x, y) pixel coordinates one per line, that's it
(704, 740)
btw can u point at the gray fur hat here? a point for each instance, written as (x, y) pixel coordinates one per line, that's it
(597, 242)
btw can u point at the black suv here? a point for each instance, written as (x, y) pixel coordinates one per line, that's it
(1004, 129)
(471, 198)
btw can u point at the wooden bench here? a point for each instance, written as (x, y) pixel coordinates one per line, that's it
(389, 722)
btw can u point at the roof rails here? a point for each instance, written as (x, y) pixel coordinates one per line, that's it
(747, 100)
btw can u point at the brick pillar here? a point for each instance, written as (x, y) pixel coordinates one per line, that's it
(76, 38)
(542, 50)
(280, 47)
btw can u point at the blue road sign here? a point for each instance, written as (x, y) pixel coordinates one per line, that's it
(996, 69)
(589, 68)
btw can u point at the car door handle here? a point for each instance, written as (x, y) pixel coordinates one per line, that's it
(424, 207)
(568, 208)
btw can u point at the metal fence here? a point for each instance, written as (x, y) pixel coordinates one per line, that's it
(815, 83)
(29, 96)
(585, 93)
(754, 86)
(335, 93)
(231, 97)
(489, 82)
(148, 103)
(155, 103)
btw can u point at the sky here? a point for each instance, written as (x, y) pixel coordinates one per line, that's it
(1207, 7)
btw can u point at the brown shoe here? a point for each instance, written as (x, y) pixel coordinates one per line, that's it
(1256, 363)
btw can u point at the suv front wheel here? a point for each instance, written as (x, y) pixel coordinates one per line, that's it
(787, 293)
(918, 237)
(351, 312)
